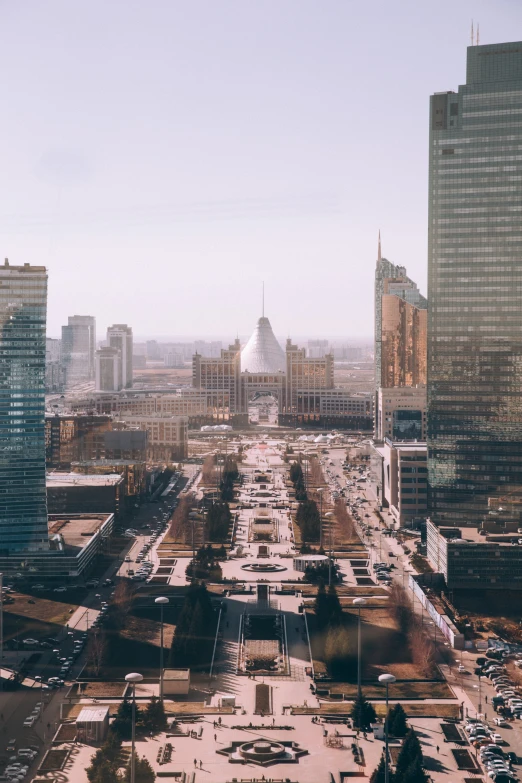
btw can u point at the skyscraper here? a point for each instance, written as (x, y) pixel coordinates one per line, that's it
(390, 280)
(120, 336)
(78, 347)
(475, 288)
(23, 503)
(108, 369)
(400, 333)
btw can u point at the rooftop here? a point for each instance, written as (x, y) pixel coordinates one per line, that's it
(92, 715)
(76, 529)
(176, 674)
(59, 479)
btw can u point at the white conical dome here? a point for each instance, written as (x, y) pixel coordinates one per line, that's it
(262, 353)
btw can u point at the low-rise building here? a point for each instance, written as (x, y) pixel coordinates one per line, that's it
(134, 474)
(399, 479)
(71, 493)
(167, 435)
(75, 540)
(93, 724)
(73, 437)
(176, 682)
(470, 558)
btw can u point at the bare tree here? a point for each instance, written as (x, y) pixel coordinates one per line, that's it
(208, 471)
(344, 520)
(97, 652)
(179, 525)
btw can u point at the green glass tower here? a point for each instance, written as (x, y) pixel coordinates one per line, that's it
(23, 500)
(475, 291)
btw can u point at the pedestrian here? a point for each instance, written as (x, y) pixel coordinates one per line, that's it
(437, 748)
(195, 764)
(486, 703)
(215, 737)
(200, 764)
(219, 720)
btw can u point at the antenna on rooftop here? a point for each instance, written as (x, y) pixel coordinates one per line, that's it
(472, 34)
(478, 33)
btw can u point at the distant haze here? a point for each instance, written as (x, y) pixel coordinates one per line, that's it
(162, 159)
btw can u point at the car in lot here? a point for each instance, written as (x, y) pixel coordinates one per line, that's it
(29, 721)
(128, 559)
(500, 722)
(61, 589)
(92, 583)
(11, 746)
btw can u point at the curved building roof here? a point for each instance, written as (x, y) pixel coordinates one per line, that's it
(262, 353)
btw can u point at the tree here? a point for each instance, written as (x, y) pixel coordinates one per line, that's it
(102, 770)
(97, 652)
(409, 752)
(379, 774)
(111, 748)
(363, 712)
(334, 609)
(415, 773)
(154, 718)
(122, 724)
(339, 652)
(397, 723)
(321, 607)
(143, 770)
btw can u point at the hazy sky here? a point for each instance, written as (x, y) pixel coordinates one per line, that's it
(162, 157)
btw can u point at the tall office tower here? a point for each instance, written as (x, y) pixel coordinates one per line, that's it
(23, 502)
(475, 289)
(400, 332)
(120, 336)
(391, 280)
(78, 348)
(108, 365)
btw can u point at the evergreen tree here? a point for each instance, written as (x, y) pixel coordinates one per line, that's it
(335, 612)
(154, 718)
(397, 723)
(122, 724)
(415, 773)
(379, 774)
(409, 752)
(112, 746)
(143, 770)
(321, 607)
(363, 712)
(102, 770)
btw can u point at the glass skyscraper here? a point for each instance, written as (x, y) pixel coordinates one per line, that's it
(23, 502)
(475, 290)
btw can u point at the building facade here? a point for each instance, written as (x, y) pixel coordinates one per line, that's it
(78, 349)
(403, 341)
(71, 438)
(119, 337)
(108, 368)
(475, 288)
(401, 413)
(398, 479)
(23, 505)
(167, 435)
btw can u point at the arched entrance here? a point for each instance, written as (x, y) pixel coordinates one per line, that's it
(263, 408)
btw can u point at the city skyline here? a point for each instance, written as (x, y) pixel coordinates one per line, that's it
(279, 183)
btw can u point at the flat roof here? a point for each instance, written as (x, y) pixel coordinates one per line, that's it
(76, 529)
(59, 479)
(92, 715)
(471, 535)
(176, 674)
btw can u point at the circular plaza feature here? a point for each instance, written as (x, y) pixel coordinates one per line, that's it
(262, 751)
(262, 568)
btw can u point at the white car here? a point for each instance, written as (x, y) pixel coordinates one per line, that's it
(29, 721)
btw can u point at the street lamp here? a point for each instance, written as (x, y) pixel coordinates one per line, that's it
(330, 514)
(358, 602)
(386, 679)
(320, 492)
(133, 678)
(161, 601)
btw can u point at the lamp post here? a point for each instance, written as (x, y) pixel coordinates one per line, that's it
(320, 493)
(133, 678)
(386, 679)
(358, 602)
(329, 514)
(161, 601)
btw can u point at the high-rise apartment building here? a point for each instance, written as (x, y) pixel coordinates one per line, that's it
(120, 336)
(78, 349)
(23, 504)
(475, 288)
